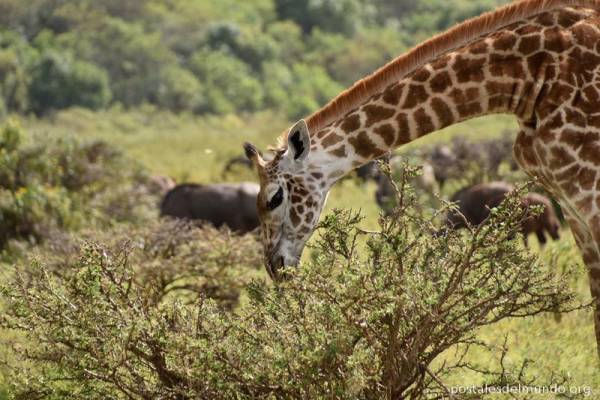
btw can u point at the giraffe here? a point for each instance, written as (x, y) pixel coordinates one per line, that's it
(536, 59)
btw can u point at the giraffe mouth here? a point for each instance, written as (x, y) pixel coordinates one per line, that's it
(274, 261)
(273, 265)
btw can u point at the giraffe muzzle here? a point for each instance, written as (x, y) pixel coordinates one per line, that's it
(273, 264)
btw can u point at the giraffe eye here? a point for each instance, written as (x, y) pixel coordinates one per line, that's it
(276, 200)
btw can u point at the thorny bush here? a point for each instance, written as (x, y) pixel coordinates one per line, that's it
(49, 183)
(383, 314)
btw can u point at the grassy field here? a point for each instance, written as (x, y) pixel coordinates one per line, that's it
(195, 149)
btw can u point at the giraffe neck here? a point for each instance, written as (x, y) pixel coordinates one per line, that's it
(501, 73)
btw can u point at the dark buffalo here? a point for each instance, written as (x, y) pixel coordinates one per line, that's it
(444, 161)
(230, 204)
(476, 201)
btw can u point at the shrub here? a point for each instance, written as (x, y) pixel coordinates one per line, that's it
(48, 184)
(371, 320)
(141, 278)
(170, 259)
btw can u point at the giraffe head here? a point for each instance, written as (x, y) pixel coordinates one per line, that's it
(292, 194)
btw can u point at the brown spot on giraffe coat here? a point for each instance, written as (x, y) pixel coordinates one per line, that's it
(586, 178)
(510, 65)
(331, 140)
(526, 30)
(392, 94)
(529, 44)
(376, 114)
(403, 129)
(504, 41)
(440, 82)
(585, 205)
(568, 174)
(364, 147)
(466, 101)
(322, 133)
(295, 217)
(440, 62)
(545, 19)
(536, 62)
(309, 216)
(443, 111)
(469, 69)
(350, 123)
(416, 95)
(555, 40)
(586, 36)
(387, 133)
(524, 149)
(498, 87)
(421, 75)
(590, 151)
(575, 117)
(561, 156)
(423, 121)
(577, 140)
(479, 47)
(569, 17)
(339, 152)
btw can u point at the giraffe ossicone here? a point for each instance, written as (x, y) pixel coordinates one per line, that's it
(536, 59)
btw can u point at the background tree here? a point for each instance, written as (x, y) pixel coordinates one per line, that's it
(343, 16)
(228, 82)
(58, 81)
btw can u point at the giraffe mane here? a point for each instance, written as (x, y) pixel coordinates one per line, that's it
(454, 38)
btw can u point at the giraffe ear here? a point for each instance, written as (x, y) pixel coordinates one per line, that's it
(253, 154)
(298, 141)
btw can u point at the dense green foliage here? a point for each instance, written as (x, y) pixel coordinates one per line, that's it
(59, 82)
(371, 316)
(205, 56)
